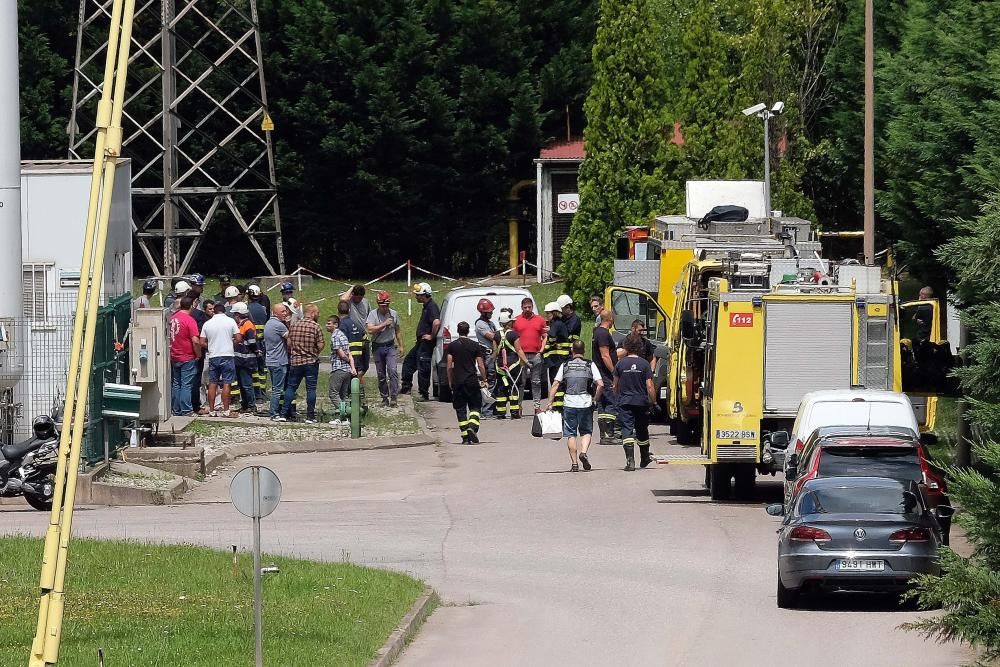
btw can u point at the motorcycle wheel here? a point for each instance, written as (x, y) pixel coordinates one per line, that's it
(41, 503)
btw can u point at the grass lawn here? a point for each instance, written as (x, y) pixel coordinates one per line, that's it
(151, 605)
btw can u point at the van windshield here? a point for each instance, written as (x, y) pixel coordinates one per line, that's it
(863, 413)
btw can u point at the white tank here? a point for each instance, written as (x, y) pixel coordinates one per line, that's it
(10, 198)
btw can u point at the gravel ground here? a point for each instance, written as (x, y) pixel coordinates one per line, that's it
(215, 433)
(136, 481)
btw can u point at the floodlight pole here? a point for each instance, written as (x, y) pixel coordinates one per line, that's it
(766, 115)
(869, 188)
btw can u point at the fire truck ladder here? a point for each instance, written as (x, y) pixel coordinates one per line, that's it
(108, 143)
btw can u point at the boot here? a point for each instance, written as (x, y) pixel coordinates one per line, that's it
(644, 457)
(602, 426)
(616, 433)
(629, 457)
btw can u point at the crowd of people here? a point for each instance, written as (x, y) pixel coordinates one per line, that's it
(497, 365)
(236, 353)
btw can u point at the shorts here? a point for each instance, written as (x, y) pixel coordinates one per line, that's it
(577, 421)
(221, 370)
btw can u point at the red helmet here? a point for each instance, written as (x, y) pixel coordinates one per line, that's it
(382, 298)
(485, 306)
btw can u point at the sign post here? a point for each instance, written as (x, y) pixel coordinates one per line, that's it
(255, 492)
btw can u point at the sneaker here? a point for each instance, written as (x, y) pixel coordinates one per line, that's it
(205, 411)
(310, 420)
(574, 468)
(465, 440)
(404, 390)
(393, 403)
(516, 415)
(585, 461)
(278, 418)
(473, 439)
(211, 413)
(425, 397)
(385, 402)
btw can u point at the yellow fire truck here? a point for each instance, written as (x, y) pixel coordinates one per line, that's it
(755, 326)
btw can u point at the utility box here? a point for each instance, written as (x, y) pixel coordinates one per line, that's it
(149, 361)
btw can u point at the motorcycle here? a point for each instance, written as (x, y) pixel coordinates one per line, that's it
(28, 468)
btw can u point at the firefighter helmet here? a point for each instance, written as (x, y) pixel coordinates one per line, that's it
(287, 287)
(383, 298)
(485, 306)
(241, 308)
(232, 292)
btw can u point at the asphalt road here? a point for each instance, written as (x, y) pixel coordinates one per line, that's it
(540, 566)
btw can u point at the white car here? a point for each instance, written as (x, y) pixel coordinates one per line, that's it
(460, 305)
(847, 407)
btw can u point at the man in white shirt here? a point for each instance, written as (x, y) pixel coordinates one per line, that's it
(219, 335)
(583, 385)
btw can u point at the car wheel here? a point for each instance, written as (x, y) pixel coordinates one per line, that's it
(720, 475)
(788, 598)
(682, 430)
(746, 481)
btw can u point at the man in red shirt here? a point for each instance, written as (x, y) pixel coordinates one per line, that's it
(532, 330)
(185, 350)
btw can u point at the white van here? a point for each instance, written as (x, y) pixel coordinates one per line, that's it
(847, 407)
(460, 305)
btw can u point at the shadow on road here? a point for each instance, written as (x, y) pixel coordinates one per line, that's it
(765, 492)
(854, 602)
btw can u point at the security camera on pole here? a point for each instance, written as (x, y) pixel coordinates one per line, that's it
(761, 111)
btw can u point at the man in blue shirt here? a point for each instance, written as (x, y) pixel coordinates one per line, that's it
(357, 339)
(418, 359)
(276, 356)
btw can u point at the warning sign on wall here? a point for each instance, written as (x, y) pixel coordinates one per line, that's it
(567, 203)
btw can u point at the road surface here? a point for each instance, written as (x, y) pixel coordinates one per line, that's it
(540, 566)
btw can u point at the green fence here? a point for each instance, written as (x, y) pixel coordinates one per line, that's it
(110, 365)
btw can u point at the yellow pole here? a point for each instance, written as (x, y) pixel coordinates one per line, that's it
(512, 245)
(45, 648)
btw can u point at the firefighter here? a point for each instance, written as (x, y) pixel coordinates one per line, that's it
(557, 348)
(224, 282)
(232, 294)
(634, 393)
(259, 316)
(511, 361)
(149, 288)
(573, 324)
(487, 336)
(418, 359)
(603, 354)
(357, 338)
(464, 357)
(287, 290)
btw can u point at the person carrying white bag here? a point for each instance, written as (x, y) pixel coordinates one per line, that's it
(581, 381)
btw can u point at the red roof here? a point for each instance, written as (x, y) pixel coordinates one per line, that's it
(564, 150)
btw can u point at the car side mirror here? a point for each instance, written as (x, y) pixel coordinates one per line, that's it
(944, 511)
(777, 509)
(928, 439)
(779, 439)
(688, 329)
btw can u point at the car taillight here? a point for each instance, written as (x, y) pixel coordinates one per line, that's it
(935, 485)
(799, 445)
(809, 534)
(910, 535)
(446, 336)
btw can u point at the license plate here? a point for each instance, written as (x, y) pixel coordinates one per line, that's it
(727, 434)
(857, 565)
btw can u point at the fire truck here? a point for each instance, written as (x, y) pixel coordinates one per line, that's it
(758, 319)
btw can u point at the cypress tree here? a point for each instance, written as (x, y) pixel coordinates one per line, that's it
(624, 179)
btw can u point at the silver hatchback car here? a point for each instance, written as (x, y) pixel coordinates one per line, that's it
(855, 534)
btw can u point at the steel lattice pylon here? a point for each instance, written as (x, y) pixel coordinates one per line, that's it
(196, 125)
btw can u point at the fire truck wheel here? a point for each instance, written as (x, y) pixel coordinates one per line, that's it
(720, 477)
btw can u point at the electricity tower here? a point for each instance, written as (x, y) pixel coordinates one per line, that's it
(196, 125)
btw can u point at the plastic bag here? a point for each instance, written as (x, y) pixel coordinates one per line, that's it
(547, 424)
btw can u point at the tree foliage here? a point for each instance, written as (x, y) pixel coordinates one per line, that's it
(968, 588)
(625, 176)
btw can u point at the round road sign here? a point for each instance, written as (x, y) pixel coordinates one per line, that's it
(255, 491)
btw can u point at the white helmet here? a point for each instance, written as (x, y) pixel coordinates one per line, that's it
(421, 288)
(505, 317)
(293, 302)
(253, 290)
(564, 300)
(552, 307)
(241, 308)
(182, 287)
(232, 292)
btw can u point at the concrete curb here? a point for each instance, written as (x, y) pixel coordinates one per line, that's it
(408, 627)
